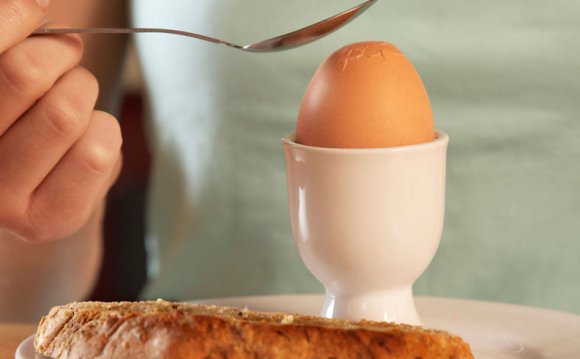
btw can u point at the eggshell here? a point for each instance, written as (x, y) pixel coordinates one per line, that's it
(365, 95)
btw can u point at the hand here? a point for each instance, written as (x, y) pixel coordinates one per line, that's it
(58, 156)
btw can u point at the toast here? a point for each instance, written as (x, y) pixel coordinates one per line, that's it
(160, 329)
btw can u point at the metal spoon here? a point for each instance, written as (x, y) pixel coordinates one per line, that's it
(283, 42)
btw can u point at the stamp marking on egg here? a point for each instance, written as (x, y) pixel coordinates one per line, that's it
(349, 55)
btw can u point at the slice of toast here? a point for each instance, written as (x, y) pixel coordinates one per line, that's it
(161, 329)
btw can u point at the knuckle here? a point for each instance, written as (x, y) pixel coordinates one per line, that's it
(98, 158)
(63, 119)
(21, 72)
(102, 151)
(25, 72)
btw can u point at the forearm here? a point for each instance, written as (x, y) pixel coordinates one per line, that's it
(36, 276)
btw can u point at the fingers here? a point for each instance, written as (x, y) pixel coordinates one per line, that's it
(18, 18)
(58, 161)
(70, 193)
(37, 142)
(30, 69)
(58, 157)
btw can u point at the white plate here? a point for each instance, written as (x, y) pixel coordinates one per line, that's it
(494, 330)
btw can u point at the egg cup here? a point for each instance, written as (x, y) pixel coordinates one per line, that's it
(367, 222)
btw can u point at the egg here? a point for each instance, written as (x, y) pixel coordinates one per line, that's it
(365, 95)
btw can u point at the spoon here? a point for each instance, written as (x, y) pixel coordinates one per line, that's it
(287, 41)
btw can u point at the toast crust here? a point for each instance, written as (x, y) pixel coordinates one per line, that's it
(160, 329)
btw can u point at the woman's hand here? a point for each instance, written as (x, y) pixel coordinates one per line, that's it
(58, 156)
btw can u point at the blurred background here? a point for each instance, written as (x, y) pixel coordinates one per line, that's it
(124, 269)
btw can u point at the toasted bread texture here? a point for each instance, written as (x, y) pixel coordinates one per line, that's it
(160, 329)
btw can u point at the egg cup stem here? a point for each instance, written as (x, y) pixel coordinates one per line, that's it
(396, 305)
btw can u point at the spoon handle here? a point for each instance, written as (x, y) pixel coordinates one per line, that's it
(129, 30)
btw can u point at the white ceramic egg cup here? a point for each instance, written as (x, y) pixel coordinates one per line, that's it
(367, 223)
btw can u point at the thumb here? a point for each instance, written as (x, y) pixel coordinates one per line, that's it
(18, 18)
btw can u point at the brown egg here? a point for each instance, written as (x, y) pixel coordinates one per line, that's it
(365, 95)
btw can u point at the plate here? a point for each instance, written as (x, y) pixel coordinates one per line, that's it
(493, 330)
(26, 350)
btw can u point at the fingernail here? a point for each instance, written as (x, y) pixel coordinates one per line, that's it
(44, 4)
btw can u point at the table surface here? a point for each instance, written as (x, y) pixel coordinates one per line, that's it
(11, 335)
